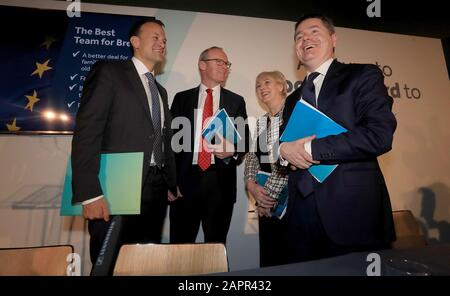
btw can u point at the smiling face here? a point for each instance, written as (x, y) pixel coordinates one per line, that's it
(314, 43)
(271, 90)
(267, 89)
(150, 44)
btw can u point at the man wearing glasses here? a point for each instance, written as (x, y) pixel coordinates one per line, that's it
(206, 173)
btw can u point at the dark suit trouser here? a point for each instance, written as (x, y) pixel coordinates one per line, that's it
(209, 207)
(306, 237)
(143, 228)
(272, 247)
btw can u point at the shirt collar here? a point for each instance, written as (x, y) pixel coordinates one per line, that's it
(278, 114)
(215, 89)
(323, 69)
(140, 67)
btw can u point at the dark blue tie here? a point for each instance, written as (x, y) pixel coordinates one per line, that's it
(308, 89)
(156, 120)
(303, 179)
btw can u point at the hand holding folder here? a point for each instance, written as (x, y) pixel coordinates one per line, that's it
(121, 179)
(220, 123)
(280, 207)
(305, 121)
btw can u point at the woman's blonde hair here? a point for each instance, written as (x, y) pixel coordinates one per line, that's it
(277, 76)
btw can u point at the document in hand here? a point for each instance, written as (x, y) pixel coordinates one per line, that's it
(120, 177)
(220, 123)
(280, 207)
(305, 121)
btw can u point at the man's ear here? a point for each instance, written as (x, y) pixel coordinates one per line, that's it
(202, 65)
(334, 39)
(135, 42)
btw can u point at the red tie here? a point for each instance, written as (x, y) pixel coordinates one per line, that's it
(204, 157)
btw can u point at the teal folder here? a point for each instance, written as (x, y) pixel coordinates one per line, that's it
(280, 207)
(121, 180)
(220, 123)
(306, 121)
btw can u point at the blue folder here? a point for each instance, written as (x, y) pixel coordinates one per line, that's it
(305, 121)
(280, 207)
(220, 123)
(120, 176)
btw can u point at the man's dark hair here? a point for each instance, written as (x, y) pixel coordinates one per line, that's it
(136, 28)
(325, 20)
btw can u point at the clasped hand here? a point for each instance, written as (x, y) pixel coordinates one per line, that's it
(222, 150)
(264, 202)
(294, 152)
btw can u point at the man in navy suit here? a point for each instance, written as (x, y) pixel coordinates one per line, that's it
(206, 173)
(350, 211)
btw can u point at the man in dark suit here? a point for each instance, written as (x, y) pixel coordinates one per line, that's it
(351, 210)
(206, 174)
(123, 109)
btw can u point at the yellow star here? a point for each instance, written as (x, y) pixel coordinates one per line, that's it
(12, 126)
(31, 101)
(48, 41)
(41, 68)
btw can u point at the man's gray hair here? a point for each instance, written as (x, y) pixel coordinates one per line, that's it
(204, 54)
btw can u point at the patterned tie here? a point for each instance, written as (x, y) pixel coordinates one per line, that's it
(204, 157)
(156, 120)
(308, 90)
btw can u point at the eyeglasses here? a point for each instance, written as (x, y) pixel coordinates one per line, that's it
(219, 62)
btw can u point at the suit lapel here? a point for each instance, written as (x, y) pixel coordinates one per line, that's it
(138, 88)
(223, 101)
(227, 103)
(327, 92)
(289, 106)
(192, 102)
(192, 105)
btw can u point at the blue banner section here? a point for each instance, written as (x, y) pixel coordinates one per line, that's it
(30, 47)
(45, 58)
